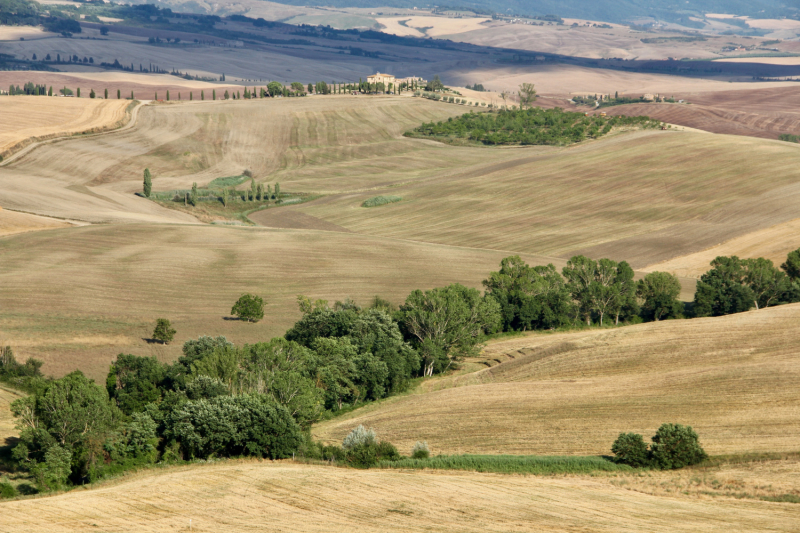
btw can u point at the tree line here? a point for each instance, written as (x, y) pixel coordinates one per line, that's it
(222, 400)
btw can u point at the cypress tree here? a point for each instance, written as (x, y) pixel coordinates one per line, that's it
(269, 191)
(253, 189)
(277, 191)
(167, 95)
(156, 96)
(148, 183)
(79, 92)
(193, 197)
(50, 91)
(106, 94)
(260, 192)
(131, 94)
(225, 197)
(202, 95)
(213, 94)
(191, 96)
(119, 94)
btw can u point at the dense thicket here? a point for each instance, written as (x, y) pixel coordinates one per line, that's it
(527, 127)
(674, 446)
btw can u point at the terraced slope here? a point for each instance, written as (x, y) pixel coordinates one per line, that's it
(731, 378)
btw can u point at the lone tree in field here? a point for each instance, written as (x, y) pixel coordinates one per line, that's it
(164, 332)
(105, 94)
(148, 183)
(119, 94)
(249, 307)
(527, 95)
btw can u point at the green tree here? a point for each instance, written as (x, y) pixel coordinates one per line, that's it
(193, 195)
(148, 183)
(225, 197)
(435, 84)
(676, 446)
(659, 293)
(792, 265)
(767, 282)
(163, 332)
(630, 449)
(54, 471)
(167, 95)
(260, 192)
(527, 95)
(249, 307)
(448, 323)
(119, 94)
(277, 191)
(723, 289)
(213, 94)
(253, 190)
(310, 89)
(580, 273)
(135, 381)
(79, 92)
(274, 88)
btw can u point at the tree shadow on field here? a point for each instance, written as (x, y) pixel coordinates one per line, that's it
(233, 319)
(152, 341)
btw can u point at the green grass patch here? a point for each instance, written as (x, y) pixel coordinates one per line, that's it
(513, 464)
(228, 181)
(783, 498)
(380, 200)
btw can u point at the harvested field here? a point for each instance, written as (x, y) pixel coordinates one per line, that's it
(23, 118)
(12, 222)
(239, 496)
(773, 243)
(99, 289)
(432, 26)
(731, 378)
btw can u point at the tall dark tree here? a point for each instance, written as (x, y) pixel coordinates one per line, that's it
(723, 289)
(148, 183)
(659, 294)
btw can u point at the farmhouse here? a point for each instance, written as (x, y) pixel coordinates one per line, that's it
(386, 79)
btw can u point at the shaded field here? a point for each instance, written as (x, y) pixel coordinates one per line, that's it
(12, 222)
(7, 420)
(41, 117)
(100, 288)
(299, 498)
(731, 378)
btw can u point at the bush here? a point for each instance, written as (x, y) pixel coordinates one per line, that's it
(360, 436)
(249, 307)
(164, 332)
(380, 200)
(420, 451)
(7, 490)
(675, 446)
(630, 449)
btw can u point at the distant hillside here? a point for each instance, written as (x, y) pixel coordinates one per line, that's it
(607, 10)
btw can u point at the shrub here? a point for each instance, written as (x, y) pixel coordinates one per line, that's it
(164, 332)
(676, 446)
(630, 449)
(7, 490)
(360, 436)
(380, 200)
(420, 451)
(249, 307)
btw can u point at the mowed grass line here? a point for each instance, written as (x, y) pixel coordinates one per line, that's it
(731, 378)
(512, 464)
(232, 496)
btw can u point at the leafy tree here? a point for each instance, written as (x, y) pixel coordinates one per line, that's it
(103, 30)
(676, 446)
(310, 88)
(253, 190)
(630, 449)
(767, 282)
(580, 273)
(249, 307)
(435, 84)
(527, 95)
(274, 88)
(792, 265)
(420, 450)
(54, 471)
(723, 289)
(529, 297)
(448, 323)
(135, 381)
(164, 332)
(228, 426)
(659, 292)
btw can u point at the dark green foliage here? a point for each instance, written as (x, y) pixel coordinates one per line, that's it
(148, 183)
(420, 451)
(448, 323)
(659, 292)
(529, 297)
(723, 290)
(792, 265)
(249, 307)
(7, 490)
(135, 381)
(630, 449)
(789, 138)
(527, 127)
(163, 332)
(380, 200)
(676, 446)
(229, 426)
(370, 454)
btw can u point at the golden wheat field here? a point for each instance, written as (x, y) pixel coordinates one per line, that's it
(26, 117)
(731, 378)
(250, 495)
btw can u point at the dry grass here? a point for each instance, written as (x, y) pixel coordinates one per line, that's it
(731, 378)
(247, 495)
(12, 222)
(76, 298)
(7, 421)
(27, 117)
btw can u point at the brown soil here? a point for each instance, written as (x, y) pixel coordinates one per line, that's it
(288, 218)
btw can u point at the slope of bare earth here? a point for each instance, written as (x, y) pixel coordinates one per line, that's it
(99, 288)
(731, 378)
(248, 495)
(25, 117)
